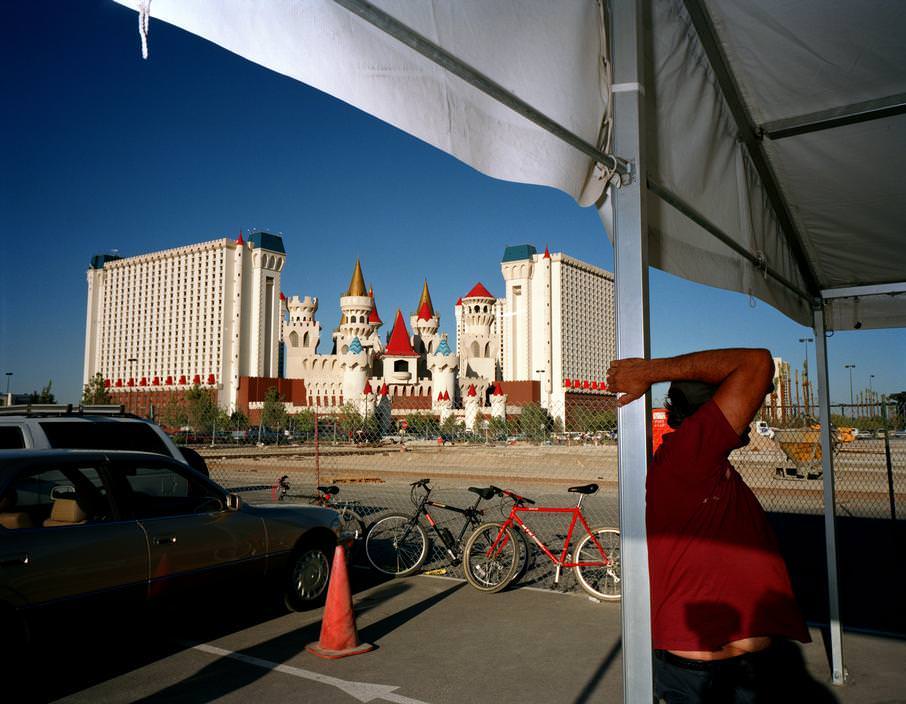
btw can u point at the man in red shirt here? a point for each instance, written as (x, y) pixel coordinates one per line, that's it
(720, 592)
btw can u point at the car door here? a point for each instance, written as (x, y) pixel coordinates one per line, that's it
(194, 540)
(67, 547)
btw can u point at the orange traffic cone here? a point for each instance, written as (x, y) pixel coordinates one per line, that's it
(339, 637)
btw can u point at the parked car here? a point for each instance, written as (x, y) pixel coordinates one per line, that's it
(53, 426)
(120, 530)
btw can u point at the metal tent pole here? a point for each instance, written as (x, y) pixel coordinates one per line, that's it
(830, 502)
(631, 288)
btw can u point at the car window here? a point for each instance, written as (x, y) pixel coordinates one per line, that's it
(104, 435)
(55, 497)
(156, 490)
(11, 438)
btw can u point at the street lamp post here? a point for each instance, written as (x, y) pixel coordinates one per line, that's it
(806, 387)
(871, 394)
(851, 399)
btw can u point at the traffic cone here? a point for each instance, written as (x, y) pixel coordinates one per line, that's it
(339, 637)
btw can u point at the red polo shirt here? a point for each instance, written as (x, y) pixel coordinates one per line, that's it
(716, 573)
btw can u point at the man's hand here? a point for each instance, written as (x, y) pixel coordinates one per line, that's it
(630, 377)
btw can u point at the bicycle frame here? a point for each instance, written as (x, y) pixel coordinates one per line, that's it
(561, 561)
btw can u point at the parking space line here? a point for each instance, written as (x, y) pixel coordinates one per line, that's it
(362, 691)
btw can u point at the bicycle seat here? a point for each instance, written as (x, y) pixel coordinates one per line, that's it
(584, 489)
(329, 489)
(484, 492)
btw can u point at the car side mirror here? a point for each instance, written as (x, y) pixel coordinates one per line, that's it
(233, 502)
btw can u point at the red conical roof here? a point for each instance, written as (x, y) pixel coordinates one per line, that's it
(472, 391)
(282, 297)
(440, 396)
(547, 253)
(425, 312)
(384, 389)
(399, 345)
(239, 239)
(373, 316)
(446, 395)
(478, 291)
(367, 389)
(498, 391)
(459, 301)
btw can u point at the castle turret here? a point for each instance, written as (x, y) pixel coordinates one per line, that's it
(443, 365)
(356, 364)
(301, 334)
(425, 323)
(478, 344)
(498, 402)
(400, 360)
(355, 306)
(472, 402)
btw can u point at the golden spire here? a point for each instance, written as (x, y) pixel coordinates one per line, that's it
(357, 283)
(426, 298)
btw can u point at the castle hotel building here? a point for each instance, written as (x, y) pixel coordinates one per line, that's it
(205, 314)
(213, 315)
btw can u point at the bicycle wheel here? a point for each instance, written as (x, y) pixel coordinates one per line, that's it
(526, 556)
(396, 545)
(602, 582)
(490, 572)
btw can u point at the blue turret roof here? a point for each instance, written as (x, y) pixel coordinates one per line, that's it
(515, 253)
(444, 348)
(265, 240)
(355, 346)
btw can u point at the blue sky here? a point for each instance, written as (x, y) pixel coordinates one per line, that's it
(103, 151)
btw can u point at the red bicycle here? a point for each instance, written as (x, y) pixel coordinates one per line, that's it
(492, 556)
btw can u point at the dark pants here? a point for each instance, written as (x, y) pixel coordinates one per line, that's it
(773, 676)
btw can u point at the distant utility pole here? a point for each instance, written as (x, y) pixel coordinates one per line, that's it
(851, 399)
(806, 387)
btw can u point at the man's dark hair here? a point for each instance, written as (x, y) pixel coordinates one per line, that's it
(684, 398)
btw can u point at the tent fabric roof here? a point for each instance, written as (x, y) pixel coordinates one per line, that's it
(798, 212)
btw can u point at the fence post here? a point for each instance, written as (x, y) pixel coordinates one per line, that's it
(317, 452)
(890, 492)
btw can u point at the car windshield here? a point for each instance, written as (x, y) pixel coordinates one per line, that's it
(103, 435)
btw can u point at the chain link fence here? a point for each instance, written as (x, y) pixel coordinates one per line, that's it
(540, 454)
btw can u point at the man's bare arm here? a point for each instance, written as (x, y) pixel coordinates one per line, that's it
(743, 377)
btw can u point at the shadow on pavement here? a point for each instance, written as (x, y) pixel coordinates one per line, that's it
(226, 676)
(592, 684)
(108, 649)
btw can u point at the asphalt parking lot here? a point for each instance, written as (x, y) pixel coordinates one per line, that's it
(437, 642)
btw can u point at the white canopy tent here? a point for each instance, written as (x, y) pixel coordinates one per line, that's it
(756, 145)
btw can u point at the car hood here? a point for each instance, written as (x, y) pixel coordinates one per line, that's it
(307, 515)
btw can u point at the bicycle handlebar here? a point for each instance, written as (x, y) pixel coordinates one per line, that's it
(421, 482)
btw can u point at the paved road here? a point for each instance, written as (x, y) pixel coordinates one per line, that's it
(438, 642)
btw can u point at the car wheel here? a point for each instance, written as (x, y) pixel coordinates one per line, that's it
(307, 578)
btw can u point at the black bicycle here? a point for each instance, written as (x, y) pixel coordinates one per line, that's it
(350, 520)
(397, 544)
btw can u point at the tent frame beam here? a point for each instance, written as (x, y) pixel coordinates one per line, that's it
(750, 136)
(630, 254)
(838, 671)
(867, 290)
(854, 113)
(683, 207)
(436, 54)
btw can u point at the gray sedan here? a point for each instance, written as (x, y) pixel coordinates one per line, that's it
(122, 529)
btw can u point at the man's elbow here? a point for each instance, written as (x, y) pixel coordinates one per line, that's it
(763, 365)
